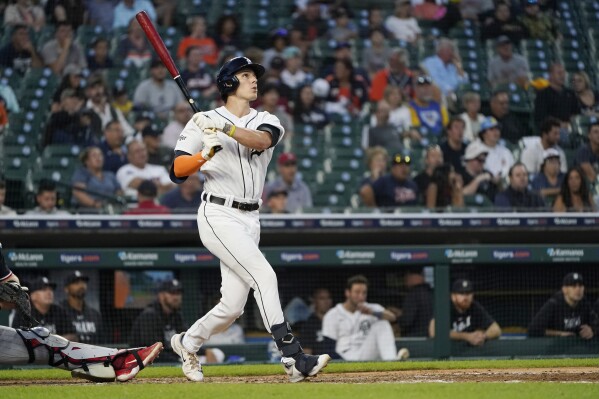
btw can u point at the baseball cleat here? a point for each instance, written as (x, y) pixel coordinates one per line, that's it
(403, 354)
(303, 366)
(190, 361)
(135, 361)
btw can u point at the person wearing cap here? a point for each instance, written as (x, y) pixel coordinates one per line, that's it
(146, 201)
(86, 320)
(567, 313)
(517, 196)
(196, 77)
(63, 49)
(470, 322)
(72, 79)
(157, 93)
(157, 153)
(198, 38)
(293, 74)
(298, 192)
(397, 73)
(549, 180)
(587, 156)
(575, 194)
(20, 54)
(402, 25)
(276, 201)
(535, 147)
(445, 67)
(540, 25)
(428, 115)
(45, 311)
(394, 189)
(279, 40)
(499, 159)
(501, 22)
(507, 67)
(97, 101)
(476, 179)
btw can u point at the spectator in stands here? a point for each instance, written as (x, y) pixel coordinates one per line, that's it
(375, 21)
(25, 13)
(133, 47)
(310, 330)
(344, 29)
(454, 147)
(157, 93)
(445, 188)
(131, 175)
(45, 311)
(293, 76)
(359, 330)
(383, 133)
(126, 10)
(165, 10)
(471, 116)
(397, 74)
(507, 67)
(511, 128)
(86, 320)
(417, 307)
(121, 100)
(70, 11)
(470, 322)
(587, 97)
(566, 314)
(343, 51)
(549, 180)
(276, 200)
(195, 75)
(428, 115)
(227, 33)
(557, 100)
(99, 103)
(147, 192)
(308, 26)
(94, 182)
(63, 50)
(402, 25)
(157, 153)
(476, 179)
(72, 79)
(307, 111)
(73, 124)
(587, 156)
(298, 193)
(375, 56)
(113, 147)
(20, 53)
(502, 23)
(400, 115)
(279, 41)
(433, 158)
(269, 97)
(100, 58)
(377, 160)
(100, 13)
(198, 38)
(394, 189)
(348, 92)
(474, 9)
(445, 68)
(574, 195)
(182, 114)
(499, 159)
(518, 196)
(4, 210)
(186, 197)
(540, 25)
(444, 14)
(532, 154)
(46, 199)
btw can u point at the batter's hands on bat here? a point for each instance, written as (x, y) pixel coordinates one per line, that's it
(211, 143)
(207, 122)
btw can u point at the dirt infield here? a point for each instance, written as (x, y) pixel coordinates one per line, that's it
(566, 374)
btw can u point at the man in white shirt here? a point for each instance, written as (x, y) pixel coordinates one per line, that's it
(532, 155)
(157, 93)
(360, 330)
(499, 159)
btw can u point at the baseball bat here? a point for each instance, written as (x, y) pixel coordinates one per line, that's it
(156, 42)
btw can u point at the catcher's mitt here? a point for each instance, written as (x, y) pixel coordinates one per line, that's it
(12, 292)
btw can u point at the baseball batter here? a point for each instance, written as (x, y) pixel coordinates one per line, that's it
(233, 145)
(38, 346)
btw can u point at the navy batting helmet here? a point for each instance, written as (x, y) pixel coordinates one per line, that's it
(226, 80)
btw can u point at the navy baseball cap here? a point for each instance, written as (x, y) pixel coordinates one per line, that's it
(40, 283)
(75, 276)
(172, 286)
(573, 279)
(462, 286)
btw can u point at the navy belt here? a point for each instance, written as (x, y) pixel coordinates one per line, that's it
(242, 206)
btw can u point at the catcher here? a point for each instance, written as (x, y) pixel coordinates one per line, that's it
(37, 346)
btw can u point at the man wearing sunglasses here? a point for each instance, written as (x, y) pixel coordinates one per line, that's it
(394, 189)
(476, 179)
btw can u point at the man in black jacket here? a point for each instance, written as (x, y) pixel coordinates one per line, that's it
(517, 195)
(86, 320)
(566, 314)
(417, 309)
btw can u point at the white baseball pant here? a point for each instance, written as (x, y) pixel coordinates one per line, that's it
(378, 345)
(233, 236)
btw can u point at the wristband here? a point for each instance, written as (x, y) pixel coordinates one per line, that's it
(229, 129)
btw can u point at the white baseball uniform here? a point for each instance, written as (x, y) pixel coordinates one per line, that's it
(236, 173)
(359, 336)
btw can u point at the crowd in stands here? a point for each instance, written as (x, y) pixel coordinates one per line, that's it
(443, 104)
